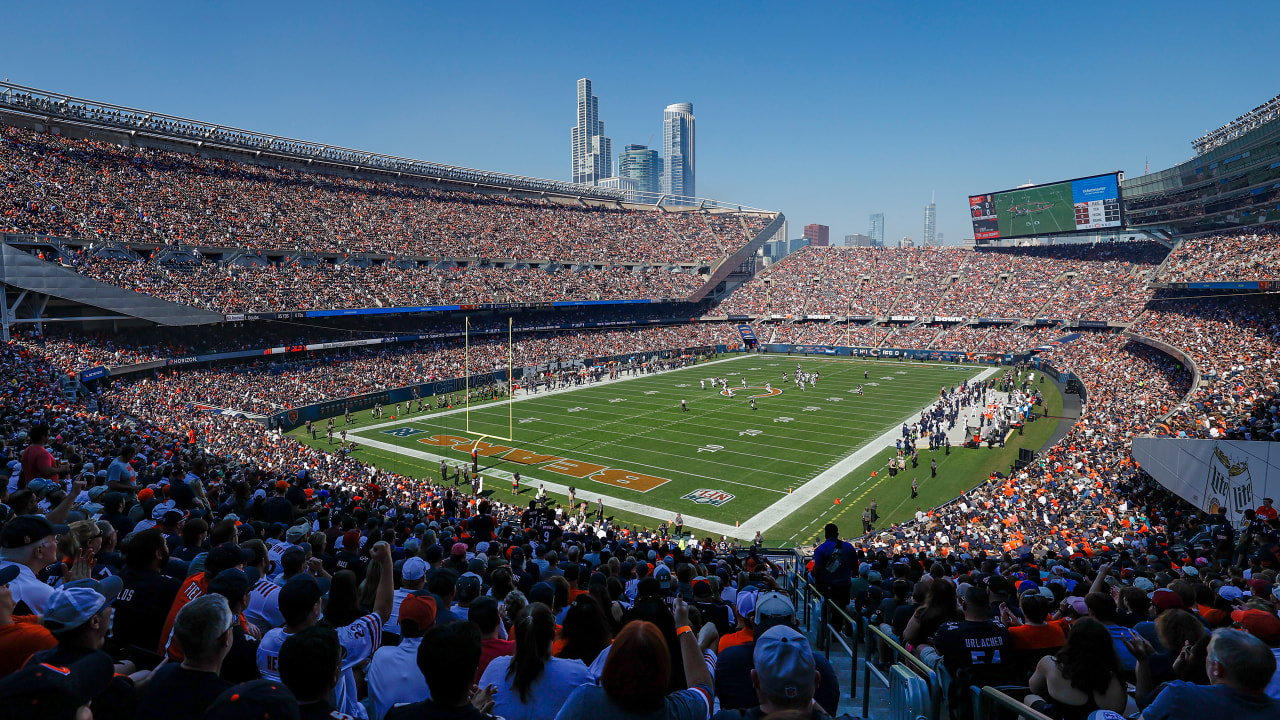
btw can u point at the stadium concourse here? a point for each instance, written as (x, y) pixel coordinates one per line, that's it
(160, 561)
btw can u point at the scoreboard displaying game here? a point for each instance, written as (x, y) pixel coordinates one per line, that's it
(1090, 203)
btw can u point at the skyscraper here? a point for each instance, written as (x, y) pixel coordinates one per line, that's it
(930, 224)
(877, 230)
(817, 235)
(644, 166)
(678, 149)
(592, 151)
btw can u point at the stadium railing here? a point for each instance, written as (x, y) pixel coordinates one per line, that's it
(988, 701)
(914, 689)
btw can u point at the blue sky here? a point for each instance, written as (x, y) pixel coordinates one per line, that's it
(827, 112)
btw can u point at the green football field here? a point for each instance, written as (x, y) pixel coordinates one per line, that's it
(728, 469)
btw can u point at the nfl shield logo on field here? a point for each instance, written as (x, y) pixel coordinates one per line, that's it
(715, 498)
(293, 417)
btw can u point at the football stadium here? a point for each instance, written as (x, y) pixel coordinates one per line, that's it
(298, 430)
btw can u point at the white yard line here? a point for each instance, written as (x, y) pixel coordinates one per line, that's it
(761, 522)
(501, 480)
(770, 516)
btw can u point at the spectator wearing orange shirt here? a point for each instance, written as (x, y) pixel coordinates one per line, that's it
(21, 636)
(746, 607)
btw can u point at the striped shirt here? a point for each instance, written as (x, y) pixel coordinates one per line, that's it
(360, 639)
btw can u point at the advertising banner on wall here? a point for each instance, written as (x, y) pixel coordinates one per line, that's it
(1212, 474)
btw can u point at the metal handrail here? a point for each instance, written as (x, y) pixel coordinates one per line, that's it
(905, 657)
(824, 630)
(917, 664)
(902, 655)
(990, 697)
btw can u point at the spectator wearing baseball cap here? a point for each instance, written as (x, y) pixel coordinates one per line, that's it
(785, 677)
(255, 700)
(43, 691)
(140, 614)
(203, 629)
(20, 635)
(443, 586)
(1265, 626)
(241, 663)
(746, 607)
(79, 616)
(348, 556)
(735, 687)
(393, 675)
(277, 508)
(413, 576)
(28, 543)
(712, 609)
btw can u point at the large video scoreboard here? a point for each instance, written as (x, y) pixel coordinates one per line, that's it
(1090, 203)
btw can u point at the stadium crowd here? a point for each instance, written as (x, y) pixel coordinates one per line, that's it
(1098, 281)
(73, 350)
(273, 287)
(1235, 343)
(177, 564)
(1251, 253)
(80, 188)
(1077, 577)
(265, 387)
(1002, 338)
(272, 573)
(1085, 502)
(157, 562)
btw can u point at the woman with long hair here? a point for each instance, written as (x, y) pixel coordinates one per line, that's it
(654, 610)
(1083, 677)
(343, 607)
(533, 685)
(584, 632)
(633, 683)
(940, 605)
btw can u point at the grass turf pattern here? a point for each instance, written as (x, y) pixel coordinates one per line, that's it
(630, 439)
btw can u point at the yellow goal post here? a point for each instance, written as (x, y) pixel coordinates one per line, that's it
(466, 334)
